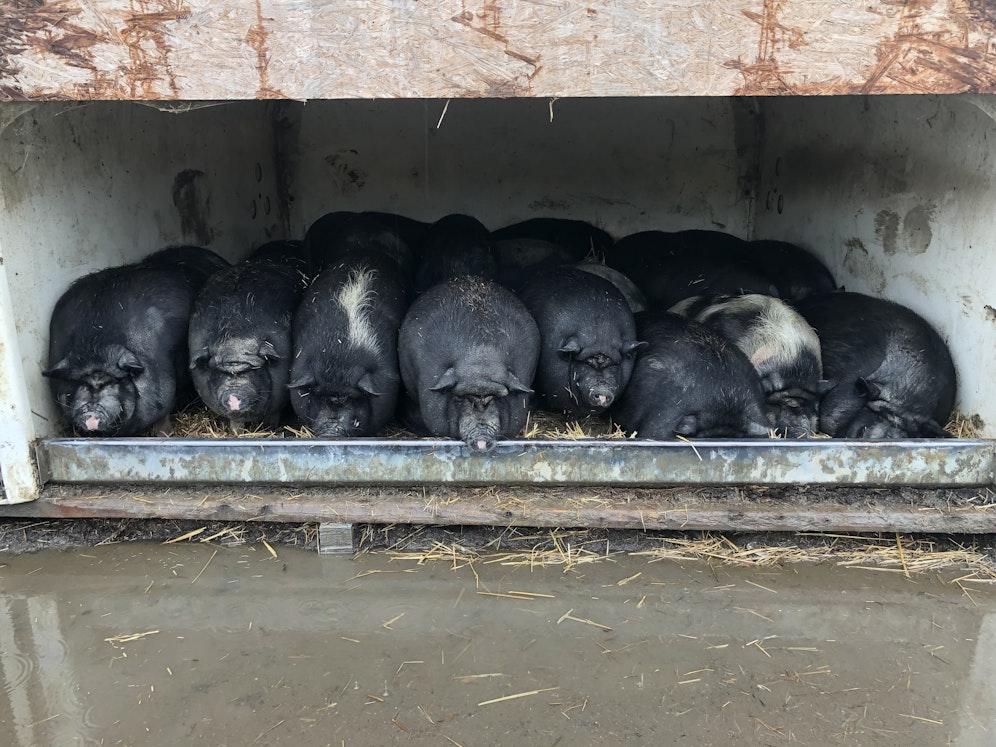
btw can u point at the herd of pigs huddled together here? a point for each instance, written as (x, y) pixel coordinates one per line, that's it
(459, 331)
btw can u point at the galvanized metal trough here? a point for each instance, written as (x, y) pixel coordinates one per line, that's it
(588, 462)
(779, 485)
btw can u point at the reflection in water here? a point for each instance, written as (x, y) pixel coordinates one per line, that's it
(154, 645)
(978, 712)
(39, 678)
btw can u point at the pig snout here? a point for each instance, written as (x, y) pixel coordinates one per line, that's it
(94, 423)
(480, 423)
(234, 403)
(601, 397)
(481, 442)
(331, 430)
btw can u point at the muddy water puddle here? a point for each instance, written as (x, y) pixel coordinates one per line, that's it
(144, 644)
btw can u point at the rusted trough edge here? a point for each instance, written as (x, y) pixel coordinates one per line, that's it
(318, 463)
(951, 511)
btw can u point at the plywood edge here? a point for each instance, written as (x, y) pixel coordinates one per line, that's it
(217, 49)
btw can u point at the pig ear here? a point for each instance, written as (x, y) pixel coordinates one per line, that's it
(61, 370)
(570, 346)
(514, 385)
(931, 429)
(687, 426)
(629, 348)
(447, 381)
(366, 384)
(268, 352)
(868, 389)
(757, 430)
(303, 381)
(825, 385)
(129, 363)
(199, 359)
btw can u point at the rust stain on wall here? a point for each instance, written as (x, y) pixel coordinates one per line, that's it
(56, 28)
(43, 25)
(488, 23)
(916, 60)
(763, 76)
(146, 34)
(912, 60)
(257, 38)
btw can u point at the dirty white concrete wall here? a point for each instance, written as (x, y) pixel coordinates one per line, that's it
(625, 164)
(90, 186)
(896, 195)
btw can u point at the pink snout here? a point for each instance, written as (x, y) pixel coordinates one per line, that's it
(234, 403)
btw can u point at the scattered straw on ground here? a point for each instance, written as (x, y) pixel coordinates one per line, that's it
(569, 549)
(196, 421)
(964, 426)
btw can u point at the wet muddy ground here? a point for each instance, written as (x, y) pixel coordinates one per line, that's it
(265, 644)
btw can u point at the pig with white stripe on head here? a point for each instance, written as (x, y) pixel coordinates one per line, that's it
(344, 374)
(781, 346)
(468, 350)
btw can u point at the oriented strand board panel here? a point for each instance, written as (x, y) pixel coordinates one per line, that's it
(301, 49)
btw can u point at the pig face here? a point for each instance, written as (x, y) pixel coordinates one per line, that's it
(792, 401)
(866, 415)
(346, 404)
(793, 412)
(243, 387)
(690, 382)
(596, 377)
(99, 398)
(478, 409)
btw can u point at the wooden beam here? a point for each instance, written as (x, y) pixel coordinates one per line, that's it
(721, 509)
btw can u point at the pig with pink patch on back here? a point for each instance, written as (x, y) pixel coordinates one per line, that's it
(118, 342)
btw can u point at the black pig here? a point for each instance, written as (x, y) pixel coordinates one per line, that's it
(455, 245)
(782, 347)
(690, 382)
(468, 350)
(364, 232)
(579, 237)
(240, 336)
(895, 377)
(200, 263)
(588, 340)
(520, 259)
(344, 376)
(118, 343)
(669, 267)
(290, 253)
(634, 298)
(794, 272)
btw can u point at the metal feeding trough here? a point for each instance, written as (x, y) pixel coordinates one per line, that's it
(859, 131)
(961, 463)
